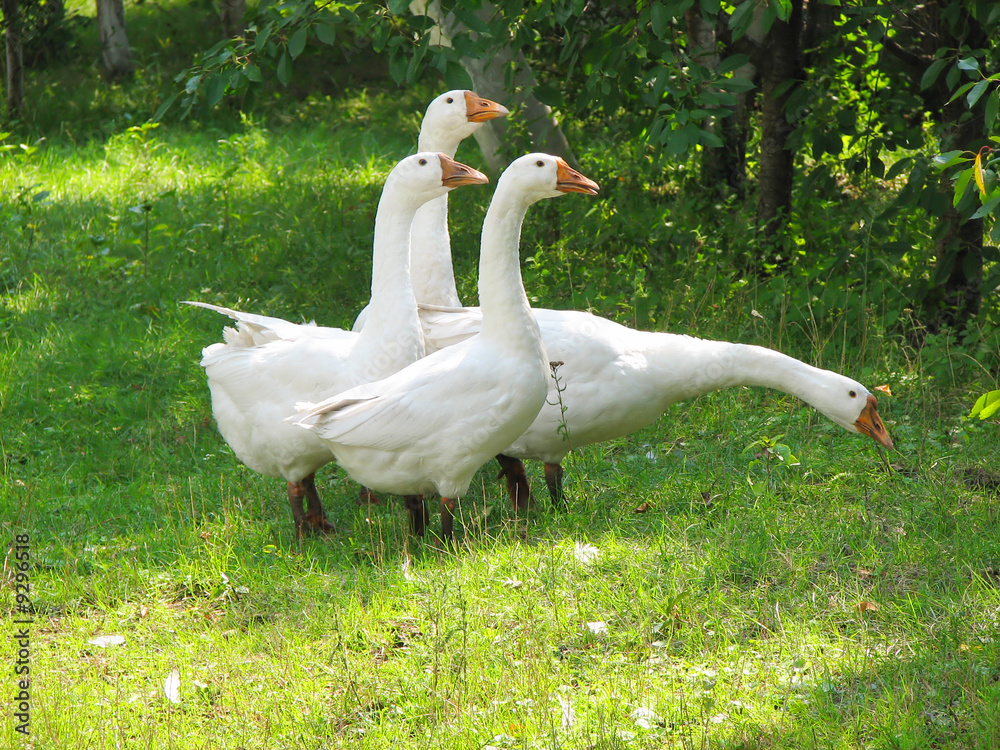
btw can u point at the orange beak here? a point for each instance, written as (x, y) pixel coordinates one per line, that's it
(870, 424)
(454, 173)
(568, 180)
(478, 109)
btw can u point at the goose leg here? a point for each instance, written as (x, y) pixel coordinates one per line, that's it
(365, 495)
(417, 512)
(296, 493)
(315, 515)
(512, 470)
(448, 519)
(554, 480)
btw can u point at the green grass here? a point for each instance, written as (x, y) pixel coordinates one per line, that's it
(834, 604)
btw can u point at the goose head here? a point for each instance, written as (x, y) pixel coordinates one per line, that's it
(538, 176)
(427, 175)
(454, 116)
(851, 405)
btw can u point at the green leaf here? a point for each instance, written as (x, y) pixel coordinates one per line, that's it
(736, 85)
(964, 178)
(731, 63)
(418, 55)
(284, 70)
(659, 19)
(167, 104)
(968, 63)
(931, 74)
(262, 36)
(977, 91)
(711, 140)
(986, 405)
(987, 208)
(216, 89)
(653, 133)
(677, 143)
(952, 76)
(827, 142)
(298, 42)
(949, 159)
(876, 166)
(397, 66)
(326, 33)
(741, 18)
(252, 73)
(961, 90)
(898, 168)
(783, 88)
(767, 19)
(992, 108)
(456, 77)
(549, 95)
(782, 8)
(469, 20)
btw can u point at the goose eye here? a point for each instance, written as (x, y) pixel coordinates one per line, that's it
(852, 394)
(423, 162)
(450, 99)
(539, 163)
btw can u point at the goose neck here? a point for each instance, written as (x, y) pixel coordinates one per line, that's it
(431, 270)
(700, 366)
(501, 292)
(439, 142)
(392, 302)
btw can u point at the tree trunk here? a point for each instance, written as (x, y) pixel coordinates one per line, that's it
(231, 14)
(15, 59)
(781, 65)
(488, 80)
(114, 39)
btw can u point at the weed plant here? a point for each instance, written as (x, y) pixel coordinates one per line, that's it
(695, 593)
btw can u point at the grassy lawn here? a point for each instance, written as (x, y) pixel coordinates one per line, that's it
(690, 597)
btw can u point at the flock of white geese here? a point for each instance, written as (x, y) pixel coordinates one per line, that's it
(423, 392)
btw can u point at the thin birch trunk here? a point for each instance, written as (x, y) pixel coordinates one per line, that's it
(15, 59)
(488, 80)
(115, 51)
(231, 15)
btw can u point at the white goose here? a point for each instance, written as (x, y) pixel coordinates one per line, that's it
(269, 364)
(450, 118)
(430, 426)
(615, 380)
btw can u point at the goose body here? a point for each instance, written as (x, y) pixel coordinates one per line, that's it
(615, 380)
(429, 427)
(267, 364)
